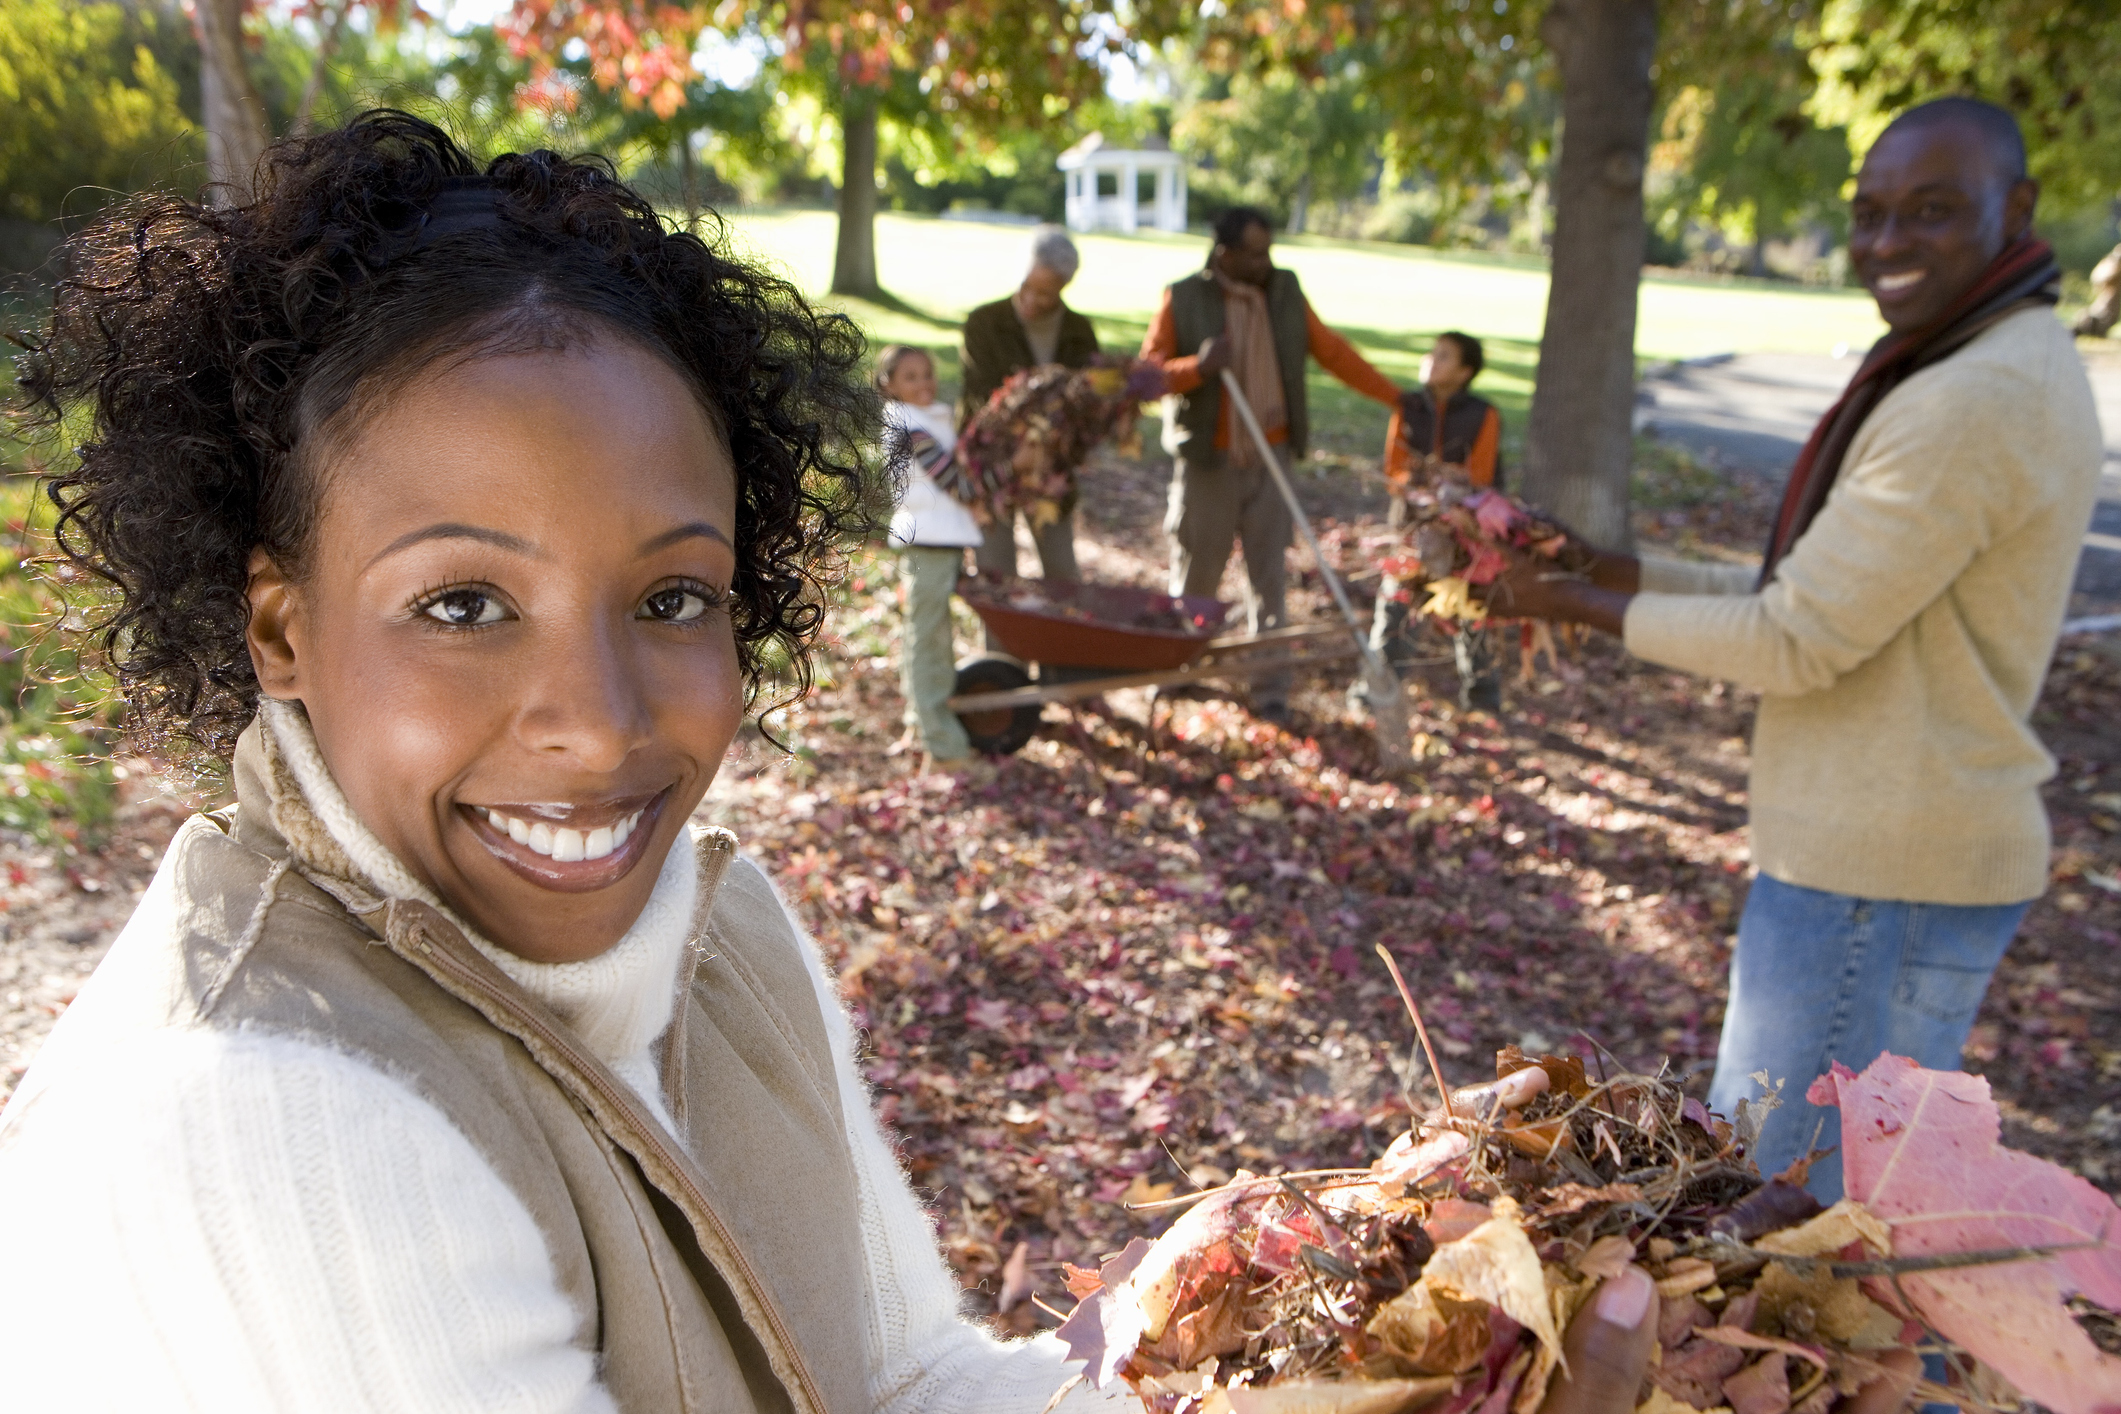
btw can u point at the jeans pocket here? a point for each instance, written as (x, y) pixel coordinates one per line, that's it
(1940, 992)
(1948, 956)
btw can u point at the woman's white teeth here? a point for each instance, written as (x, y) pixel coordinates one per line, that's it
(562, 845)
(1893, 284)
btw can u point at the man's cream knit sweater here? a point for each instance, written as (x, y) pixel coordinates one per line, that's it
(1902, 642)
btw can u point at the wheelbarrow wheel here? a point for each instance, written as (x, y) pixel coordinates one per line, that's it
(1001, 731)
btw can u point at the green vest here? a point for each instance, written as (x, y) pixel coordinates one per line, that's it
(1197, 311)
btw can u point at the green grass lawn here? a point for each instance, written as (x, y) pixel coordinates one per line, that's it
(1390, 299)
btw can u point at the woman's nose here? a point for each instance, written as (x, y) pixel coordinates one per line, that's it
(586, 699)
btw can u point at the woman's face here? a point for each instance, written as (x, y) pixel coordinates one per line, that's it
(512, 643)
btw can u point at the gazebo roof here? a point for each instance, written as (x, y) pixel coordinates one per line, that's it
(1092, 152)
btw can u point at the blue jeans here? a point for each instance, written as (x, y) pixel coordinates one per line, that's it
(1821, 977)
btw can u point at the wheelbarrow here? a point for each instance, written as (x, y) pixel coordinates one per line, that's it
(1065, 640)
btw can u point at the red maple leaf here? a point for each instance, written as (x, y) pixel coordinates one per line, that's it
(1920, 1151)
(1487, 564)
(1496, 516)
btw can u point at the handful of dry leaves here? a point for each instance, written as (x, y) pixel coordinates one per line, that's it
(1023, 449)
(1455, 536)
(1441, 1279)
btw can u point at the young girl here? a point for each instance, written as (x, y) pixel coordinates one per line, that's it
(452, 1069)
(934, 531)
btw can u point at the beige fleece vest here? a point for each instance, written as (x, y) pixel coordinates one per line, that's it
(725, 1275)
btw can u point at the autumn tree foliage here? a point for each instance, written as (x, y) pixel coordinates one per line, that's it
(974, 67)
(1451, 78)
(2052, 65)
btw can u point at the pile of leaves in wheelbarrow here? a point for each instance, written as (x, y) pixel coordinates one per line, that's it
(1442, 1278)
(1455, 538)
(1022, 451)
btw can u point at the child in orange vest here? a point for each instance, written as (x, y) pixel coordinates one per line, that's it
(1441, 424)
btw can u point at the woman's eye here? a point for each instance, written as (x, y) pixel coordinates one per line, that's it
(465, 608)
(675, 606)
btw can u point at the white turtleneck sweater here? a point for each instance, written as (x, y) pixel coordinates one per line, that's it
(247, 1221)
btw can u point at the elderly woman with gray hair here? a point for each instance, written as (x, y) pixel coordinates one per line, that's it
(1023, 330)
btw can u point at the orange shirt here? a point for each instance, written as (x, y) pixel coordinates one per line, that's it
(1335, 354)
(1400, 459)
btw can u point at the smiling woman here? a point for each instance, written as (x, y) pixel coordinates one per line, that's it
(454, 1069)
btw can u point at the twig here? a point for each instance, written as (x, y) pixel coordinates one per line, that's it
(1182, 1171)
(1062, 1393)
(1180, 1200)
(1898, 1266)
(1421, 1030)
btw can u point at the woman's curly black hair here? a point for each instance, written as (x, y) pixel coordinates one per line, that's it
(219, 351)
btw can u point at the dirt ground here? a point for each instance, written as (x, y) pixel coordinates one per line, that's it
(1142, 954)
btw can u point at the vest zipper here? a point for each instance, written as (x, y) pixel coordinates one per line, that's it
(595, 1076)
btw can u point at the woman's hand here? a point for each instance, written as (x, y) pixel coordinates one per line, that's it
(1610, 1342)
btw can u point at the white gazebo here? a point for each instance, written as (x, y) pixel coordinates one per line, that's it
(1105, 186)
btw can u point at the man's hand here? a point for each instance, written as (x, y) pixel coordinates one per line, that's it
(1214, 357)
(1610, 1342)
(1530, 588)
(1608, 1347)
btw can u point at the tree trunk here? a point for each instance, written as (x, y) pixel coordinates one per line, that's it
(688, 179)
(327, 46)
(854, 262)
(1300, 208)
(1580, 442)
(234, 114)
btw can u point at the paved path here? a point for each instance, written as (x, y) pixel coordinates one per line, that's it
(1753, 412)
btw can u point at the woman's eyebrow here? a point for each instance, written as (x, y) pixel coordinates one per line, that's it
(671, 537)
(452, 530)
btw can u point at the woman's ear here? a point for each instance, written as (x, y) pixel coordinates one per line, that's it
(273, 628)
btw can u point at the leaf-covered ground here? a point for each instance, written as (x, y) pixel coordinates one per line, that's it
(1141, 955)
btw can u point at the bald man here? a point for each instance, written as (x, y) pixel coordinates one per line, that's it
(1898, 633)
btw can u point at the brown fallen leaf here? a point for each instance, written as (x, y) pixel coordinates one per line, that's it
(1847, 1221)
(1322, 1397)
(1452, 1218)
(1686, 1276)
(1821, 1303)
(1215, 1328)
(1497, 1263)
(1574, 1197)
(1197, 1244)
(1607, 1257)
(1433, 1331)
(1661, 1403)
(1016, 1279)
(1762, 1387)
